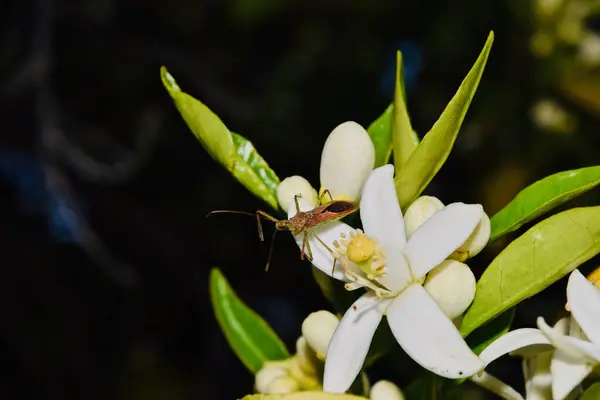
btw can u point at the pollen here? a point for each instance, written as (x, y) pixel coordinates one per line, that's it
(360, 247)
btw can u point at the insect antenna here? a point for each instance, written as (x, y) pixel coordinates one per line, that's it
(229, 211)
(271, 250)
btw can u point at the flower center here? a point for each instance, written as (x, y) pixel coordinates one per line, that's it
(366, 254)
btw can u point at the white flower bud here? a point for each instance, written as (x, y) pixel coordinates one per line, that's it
(283, 385)
(476, 242)
(452, 286)
(386, 390)
(292, 186)
(347, 159)
(266, 375)
(318, 329)
(419, 212)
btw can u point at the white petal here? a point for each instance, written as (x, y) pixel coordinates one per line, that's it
(318, 330)
(538, 379)
(291, 186)
(512, 341)
(428, 336)
(385, 390)
(350, 343)
(347, 159)
(327, 232)
(440, 235)
(573, 347)
(584, 300)
(382, 219)
(495, 385)
(567, 373)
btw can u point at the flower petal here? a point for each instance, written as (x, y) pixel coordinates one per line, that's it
(584, 300)
(511, 341)
(440, 235)
(538, 379)
(495, 385)
(573, 347)
(350, 343)
(382, 219)
(327, 232)
(567, 373)
(347, 159)
(428, 336)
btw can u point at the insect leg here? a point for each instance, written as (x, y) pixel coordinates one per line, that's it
(323, 195)
(308, 249)
(260, 213)
(296, 197)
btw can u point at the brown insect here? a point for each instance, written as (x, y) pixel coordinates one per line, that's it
(301, 223)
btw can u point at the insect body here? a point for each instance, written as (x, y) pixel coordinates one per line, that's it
(303, 222)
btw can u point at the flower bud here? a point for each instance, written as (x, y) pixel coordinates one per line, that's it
(476, 242)
(318, 328)
(266, 375)
(292, 186)
(347, 159)
(386, 390)
(452, 286)
(419, 212)
(283, 385)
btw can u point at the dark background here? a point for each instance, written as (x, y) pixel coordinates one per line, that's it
(105, 251)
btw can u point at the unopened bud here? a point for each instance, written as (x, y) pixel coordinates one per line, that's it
(292, 186)
(419, 212)
(476, 242)
(386, 390)
(347, 160)
(452, 286)
(266, 375)
(318, 328)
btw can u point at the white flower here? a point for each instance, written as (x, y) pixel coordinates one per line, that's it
(347, 159)
(574, 354)
(392, 270)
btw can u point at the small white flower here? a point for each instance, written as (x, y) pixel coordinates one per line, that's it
(420, 211)
(347, 159)
(385, 390)
(574, 355)
(393, 270)
(267, 375)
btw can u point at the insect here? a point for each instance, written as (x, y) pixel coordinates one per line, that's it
(302, 223)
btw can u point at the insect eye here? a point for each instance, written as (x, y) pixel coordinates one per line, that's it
(340, 207)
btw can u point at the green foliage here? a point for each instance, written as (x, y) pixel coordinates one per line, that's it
(404, 139)
(250, 337)
(481, 337)
(532, 262)
(234, 152)
(429, 156)
(541, 197)
(380, 132)
(591, 393)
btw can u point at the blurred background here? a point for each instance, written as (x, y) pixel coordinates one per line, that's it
(105, 251)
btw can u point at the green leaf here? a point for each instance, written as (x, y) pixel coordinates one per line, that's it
(481, 338)
(404, 140)
(532, 262)
(542, 196)
(591, 393)
(427, 159)
(380, 132)
(254, 171)
(250, 337)
(210, 131)
(303, 396)
(234, 152)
